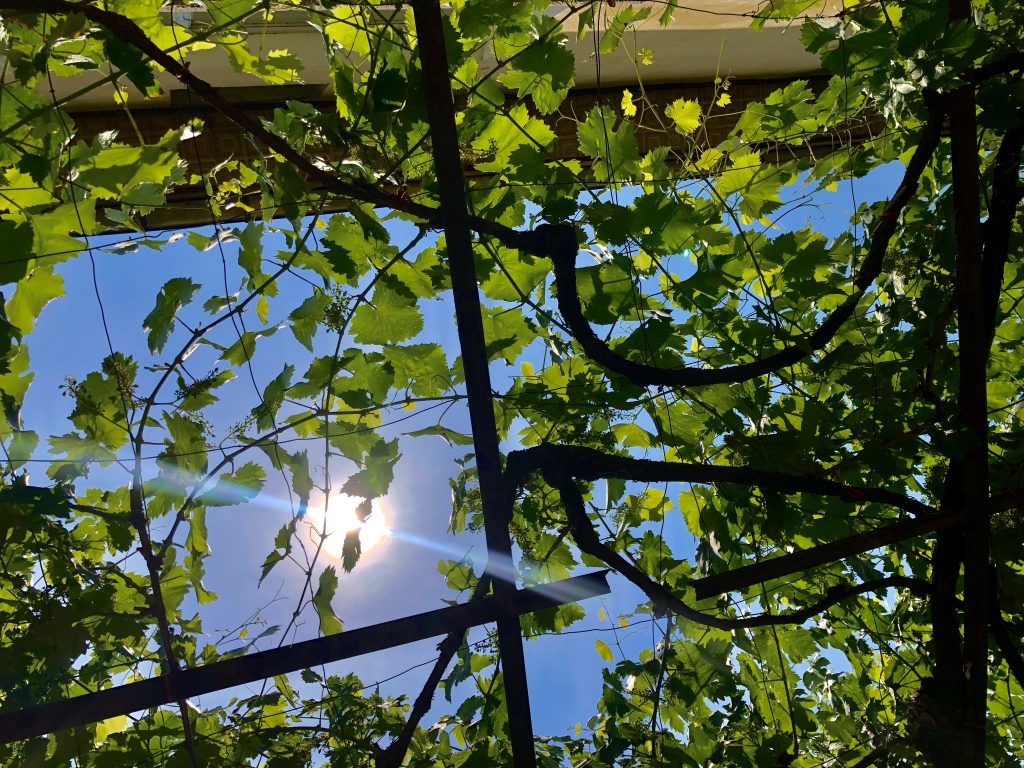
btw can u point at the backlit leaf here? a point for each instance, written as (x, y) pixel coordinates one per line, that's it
(237, 487)
(389, 318)
(174, 294)
(330, 624)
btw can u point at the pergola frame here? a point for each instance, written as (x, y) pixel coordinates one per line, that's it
(208, 678)
(506, 603)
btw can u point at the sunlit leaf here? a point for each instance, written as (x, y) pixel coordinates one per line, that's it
(604, 651)
(685, 114)
(237, 487)
(330, 624)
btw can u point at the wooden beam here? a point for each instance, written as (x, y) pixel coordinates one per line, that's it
(195, 681)
(495, 500)
(777, 567)
(222, 139)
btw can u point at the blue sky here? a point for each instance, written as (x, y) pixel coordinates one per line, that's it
(398, 578)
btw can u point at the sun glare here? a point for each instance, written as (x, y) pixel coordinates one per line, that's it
(341, 518)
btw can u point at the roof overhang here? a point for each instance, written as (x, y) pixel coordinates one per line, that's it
(704, 40)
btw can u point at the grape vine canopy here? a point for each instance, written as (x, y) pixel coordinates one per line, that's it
(795, 441)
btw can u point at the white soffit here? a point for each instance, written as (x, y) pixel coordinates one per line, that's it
(705, 39)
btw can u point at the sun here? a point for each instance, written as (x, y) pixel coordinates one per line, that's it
(341, 518)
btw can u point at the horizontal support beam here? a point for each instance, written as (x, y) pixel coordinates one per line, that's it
(777, 567)
(221, 139)
(195, 681)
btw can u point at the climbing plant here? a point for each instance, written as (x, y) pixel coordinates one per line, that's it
(664, 367)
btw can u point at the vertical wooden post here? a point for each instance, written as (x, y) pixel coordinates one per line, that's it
(974, 341)
(497, 505)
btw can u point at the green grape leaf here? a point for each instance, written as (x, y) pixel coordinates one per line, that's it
(623, 20)
(421, 369)
(450, 436)
(391, 317)
(545, 71)
(175, 294)
(305, 318)
(273, 397)
(237, 487)
(375, 477)
(351, 550)
(604, 651)
(330, 624)
(135, 65)
(243, 350)
(18, 254)
(282, 548)
(685, 115)
(612, 144)
(34, 292)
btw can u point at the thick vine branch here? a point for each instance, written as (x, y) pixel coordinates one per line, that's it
(949, 668)
(973, 341)
(590, 464)
(1003, 205)
(805, 559)
(559, 244)
(153, 562)
(1000, 633)
(1011, 62)
(665, 600)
